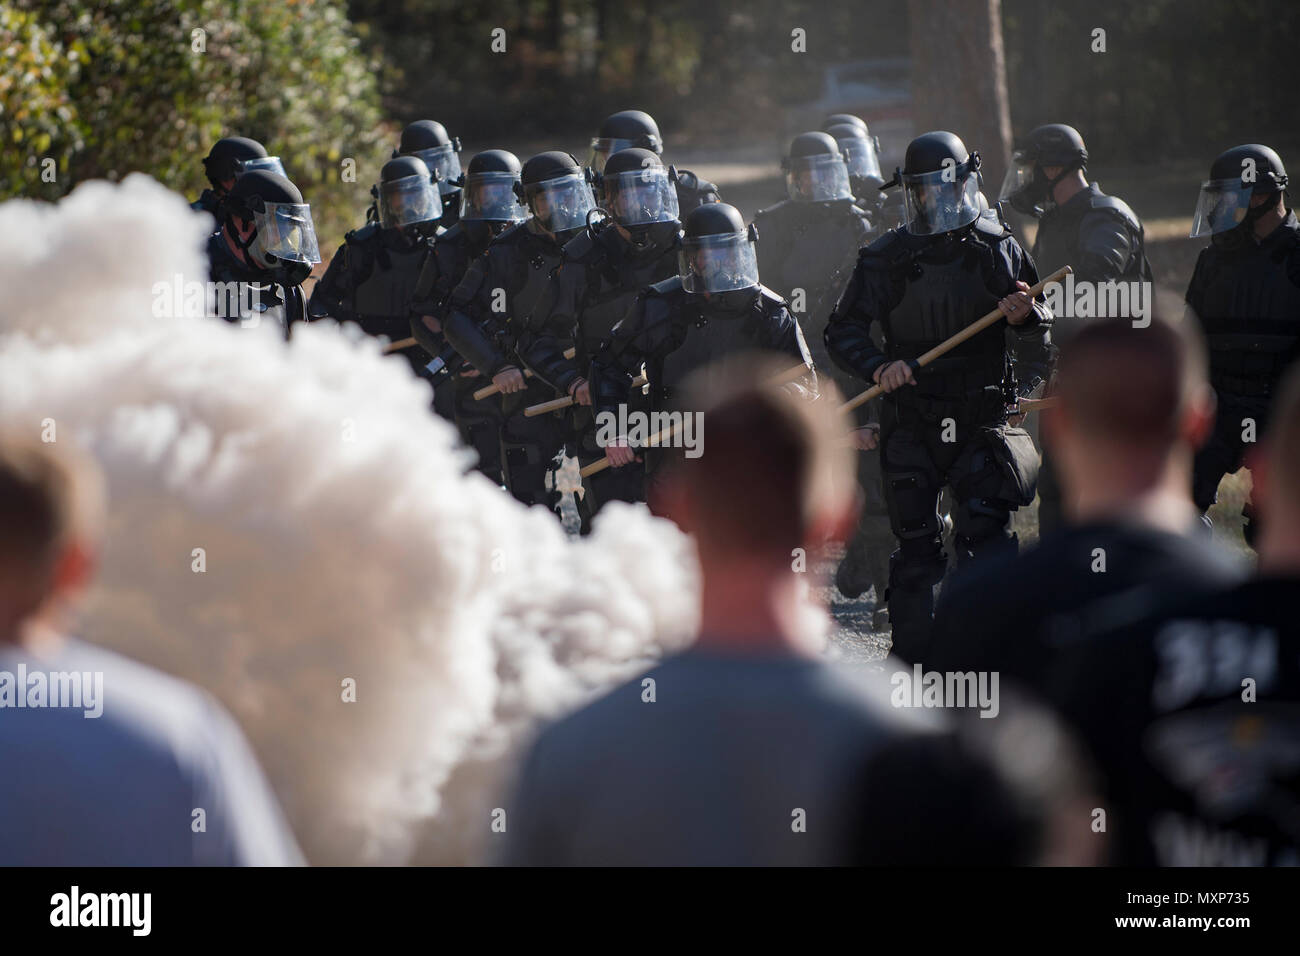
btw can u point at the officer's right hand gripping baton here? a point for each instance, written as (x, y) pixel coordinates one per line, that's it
(976, 327)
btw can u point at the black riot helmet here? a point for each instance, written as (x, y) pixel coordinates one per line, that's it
(406, 195)
(489, 201)
(862, 155)
(557, 191)
(1027, 187)
(815, 170)
(640, 193)
(1235, 176)
(941, 184)
(428, 140)
(718, 254)
(283, 232)
(232, 155)
(844, 119)
(624, 130)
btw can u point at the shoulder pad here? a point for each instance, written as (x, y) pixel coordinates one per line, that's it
(453, 235)
(886, 247)
(776, 210)
(367, 233)
(1115, 206)
(581, 248)
(669, 286)
(772, 301)
(510, 236)
(991, 230)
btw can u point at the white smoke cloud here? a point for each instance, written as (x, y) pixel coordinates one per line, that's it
(340, 535)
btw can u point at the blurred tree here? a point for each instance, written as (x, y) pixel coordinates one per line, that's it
(108, 87)
(959, 78)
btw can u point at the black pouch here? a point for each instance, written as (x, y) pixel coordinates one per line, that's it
(1018, 460)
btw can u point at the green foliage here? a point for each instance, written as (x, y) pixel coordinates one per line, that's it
(108, 87)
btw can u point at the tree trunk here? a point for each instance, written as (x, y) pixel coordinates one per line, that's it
(959, 78)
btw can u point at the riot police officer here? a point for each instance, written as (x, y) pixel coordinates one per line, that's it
(634, 128)
(500, 289)
(226, 159)
(811, 239)
(371, 279)
(810, 242)
(428, 140)
(714, 307)
(1245, 292)
(266, 247)
(946, 424)
(1099, 236)
(862, 155)
(603, 268)
(489, 206)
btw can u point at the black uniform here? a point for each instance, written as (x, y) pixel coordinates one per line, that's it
(371, 281)
(276, 295)
(922, 290)
(484, 318)
(1102, 239)
(1197, 773)
(813, 246)
(674, 332)
(479, 422)
(1246, 296)
(598, 278)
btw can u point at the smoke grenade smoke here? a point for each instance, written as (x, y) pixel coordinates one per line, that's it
(287, 519)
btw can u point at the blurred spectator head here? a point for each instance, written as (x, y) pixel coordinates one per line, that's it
(1134, 401)
(51, 513)
(1014, 790)
(775, 474)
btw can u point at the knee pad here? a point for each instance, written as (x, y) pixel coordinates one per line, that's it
(917, 566)
(913, 502)
(526, 467)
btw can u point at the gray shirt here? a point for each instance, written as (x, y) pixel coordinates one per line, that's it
(740, 760)
(122, 788)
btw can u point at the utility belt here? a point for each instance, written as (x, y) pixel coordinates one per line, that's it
(1254, 386)
(1252, 374)
(982, 406)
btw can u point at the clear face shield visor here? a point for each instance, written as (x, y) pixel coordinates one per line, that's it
(819, 178)
(862, 156)
(490, 197)
(444, 164)
(271, 164)
(640, 197)
(285, 231)
(721, 263)
(407, 201)
(561, 204)
(933, 204)
(1020, 174)
(1222, 204)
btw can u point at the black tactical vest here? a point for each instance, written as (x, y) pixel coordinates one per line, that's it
(529, 264)
(611, 283)
(386, 291)
(710, 335)
(941, 299)
(1250, 310)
